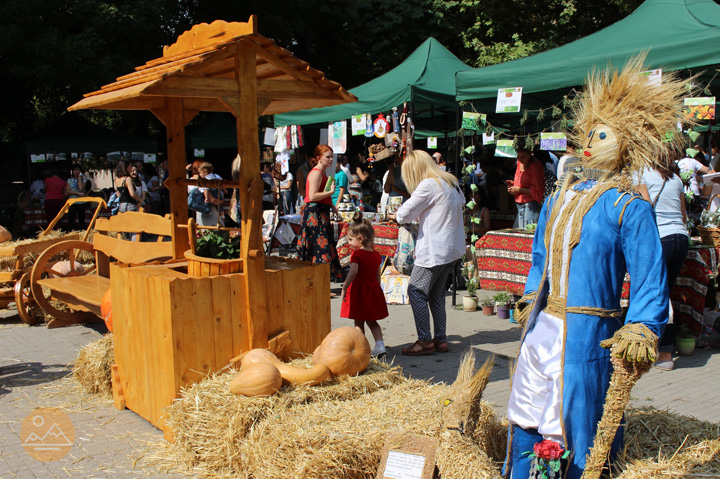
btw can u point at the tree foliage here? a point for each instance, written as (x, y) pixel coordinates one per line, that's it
(53, 51)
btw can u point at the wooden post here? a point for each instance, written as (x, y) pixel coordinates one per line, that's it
(175, 123)
(251, 194)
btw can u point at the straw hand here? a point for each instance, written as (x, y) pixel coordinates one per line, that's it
(634, 342)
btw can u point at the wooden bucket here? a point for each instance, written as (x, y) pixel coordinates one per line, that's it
(199, 266)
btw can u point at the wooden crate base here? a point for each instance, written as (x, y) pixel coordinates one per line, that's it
(172, 329)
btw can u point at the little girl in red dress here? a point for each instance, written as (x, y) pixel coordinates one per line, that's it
(362, 297)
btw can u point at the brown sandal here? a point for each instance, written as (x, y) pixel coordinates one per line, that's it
(442, 347)
(425, 349)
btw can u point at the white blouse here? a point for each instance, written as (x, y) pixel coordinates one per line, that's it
(438, 208)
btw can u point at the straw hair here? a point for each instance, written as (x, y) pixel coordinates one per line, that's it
(638, 114)
(419, 165)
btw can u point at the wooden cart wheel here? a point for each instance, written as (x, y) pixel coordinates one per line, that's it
(66, 250)
(24, 302)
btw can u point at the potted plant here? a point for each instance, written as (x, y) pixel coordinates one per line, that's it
(214, 252)
(685, 340)
(470, 301)
(488, 306)
(503, 302)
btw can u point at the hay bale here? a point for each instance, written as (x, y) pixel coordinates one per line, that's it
(7, 263)
(210, 423)
(341, 439)
(93, 366)
(664, 445)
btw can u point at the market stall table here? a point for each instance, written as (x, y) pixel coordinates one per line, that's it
(386, 237)
(504, 258)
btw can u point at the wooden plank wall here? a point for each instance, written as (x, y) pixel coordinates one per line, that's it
(298, 299)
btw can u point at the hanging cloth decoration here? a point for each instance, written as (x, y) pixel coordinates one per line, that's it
(381, 126)
(293, 137)
(368, 126)
(300, 141)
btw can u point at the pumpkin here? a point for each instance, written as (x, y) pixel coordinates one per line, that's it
(345, 350)
(63, 268)
(311, 376)
(106, 310)
(259, 356)
(290, 374)
(257, 380)
(4, 235)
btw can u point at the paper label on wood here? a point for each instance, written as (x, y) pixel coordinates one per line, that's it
(401, 465)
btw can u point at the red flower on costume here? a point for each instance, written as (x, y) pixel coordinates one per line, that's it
(548, 449)
(322, 242)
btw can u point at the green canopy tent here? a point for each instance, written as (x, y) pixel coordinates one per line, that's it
(426, 79)
(678, 34)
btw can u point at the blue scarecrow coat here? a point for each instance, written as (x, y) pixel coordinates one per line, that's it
(618, 234)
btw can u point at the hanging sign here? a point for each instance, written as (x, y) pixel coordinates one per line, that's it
(149, 158)
(432, 142)
(472, 120)
(504, 149)
(553, 141)
(37, 158)
(199, 152)
(489, 139)
(654, 77)
(508, 100)
(357, 124)
(269, 138)
(701, 108)
(337, 136)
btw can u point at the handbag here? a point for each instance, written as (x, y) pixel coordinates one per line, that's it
(196, 201)
(404, 258)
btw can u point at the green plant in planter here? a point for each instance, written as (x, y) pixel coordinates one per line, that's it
(684, 331)
(503, 298)
(218, 245)
(487, 302)
(471, 287)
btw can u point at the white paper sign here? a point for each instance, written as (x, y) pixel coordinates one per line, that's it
(432, 143)
(358, 125)
(199, 153)
(401, 465)
(654, 77)
(150, 158)
(269, 139)
(488, 139)
(37, 158)
(508, 100)
(337, 136)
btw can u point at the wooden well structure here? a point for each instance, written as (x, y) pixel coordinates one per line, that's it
(171, 328)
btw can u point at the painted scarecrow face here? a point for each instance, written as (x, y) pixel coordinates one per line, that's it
(600, 144)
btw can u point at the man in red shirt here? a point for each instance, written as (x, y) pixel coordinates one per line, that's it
(528, 188)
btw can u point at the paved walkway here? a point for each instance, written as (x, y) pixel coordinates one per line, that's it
(35, 362)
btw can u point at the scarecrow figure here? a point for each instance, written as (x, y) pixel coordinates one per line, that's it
(590, 232)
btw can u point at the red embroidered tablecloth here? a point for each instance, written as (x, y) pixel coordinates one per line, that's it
(504, 259)
(385, 241)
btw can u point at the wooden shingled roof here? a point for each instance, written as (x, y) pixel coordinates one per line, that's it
(201, 68)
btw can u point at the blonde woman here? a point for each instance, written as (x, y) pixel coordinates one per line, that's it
(436, 203)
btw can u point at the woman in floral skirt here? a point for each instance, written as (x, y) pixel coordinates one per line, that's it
(316, 242)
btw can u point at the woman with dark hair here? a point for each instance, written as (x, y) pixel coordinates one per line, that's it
(664, 190)
(128, 186)
(316, 242)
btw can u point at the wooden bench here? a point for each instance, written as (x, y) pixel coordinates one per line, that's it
(82, 289)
